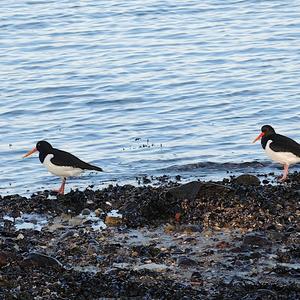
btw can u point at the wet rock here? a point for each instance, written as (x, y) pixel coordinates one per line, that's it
(223, 245)
(75, 201)
(76, 221)
(197, 278)
(190, 240)
(41, 260)
(146, 180)
(211, 190)
(55, 226)
(191, 228)
(98, 212)
(8, 226)
(152, 267)
(86, 212)
(185, 191)
(247, 179)
(4, 259)
(146, 251)
(169, 228)
(20, 236)
(283, 256)
(113, 221)
(122, 265)
(256, 240)
(178, 177)
(186, 262)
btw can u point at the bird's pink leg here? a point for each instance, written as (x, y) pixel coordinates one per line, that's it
(285, 172)
(61, 190)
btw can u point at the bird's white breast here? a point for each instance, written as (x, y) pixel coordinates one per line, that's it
(62, 171)
(281, 157)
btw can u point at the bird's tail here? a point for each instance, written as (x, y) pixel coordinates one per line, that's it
(94, 168)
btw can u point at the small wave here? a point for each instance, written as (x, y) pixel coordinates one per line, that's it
(217, 166)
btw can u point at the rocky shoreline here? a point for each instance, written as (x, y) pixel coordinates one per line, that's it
(234, 239)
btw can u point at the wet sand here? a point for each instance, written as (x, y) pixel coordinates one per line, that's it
(233, 239)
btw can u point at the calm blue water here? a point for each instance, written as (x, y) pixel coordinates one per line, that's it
(144, 87)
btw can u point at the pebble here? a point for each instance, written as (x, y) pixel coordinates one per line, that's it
(98, 212)
(184, 261)
(113, 221)
(20, 236)
(86, 212)
(191, 228)
(197, 278)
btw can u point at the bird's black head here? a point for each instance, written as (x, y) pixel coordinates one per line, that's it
(266, 131)
(44, 147)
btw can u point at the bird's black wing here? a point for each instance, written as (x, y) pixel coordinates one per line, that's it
(63, 158)
(281, 143)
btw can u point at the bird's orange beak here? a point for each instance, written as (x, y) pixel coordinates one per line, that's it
(259, 137)
(30, 152)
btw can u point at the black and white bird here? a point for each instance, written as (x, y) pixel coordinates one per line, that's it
(60, 163)
(279, 148)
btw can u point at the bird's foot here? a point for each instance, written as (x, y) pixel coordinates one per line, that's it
(282, 179)
(59, 191)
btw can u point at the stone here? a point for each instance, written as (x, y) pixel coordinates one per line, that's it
(191, 228)
(196, 278)
(186, 262)
(248, 180)
(169, 228)
(85, 212)
(20, 236)
(3, 259)
(98, 212)
(255, 240)
(152, 267)
(41, 260)
(113, 221)
(185, 191)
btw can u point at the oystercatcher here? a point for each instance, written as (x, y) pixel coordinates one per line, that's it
(60, 163)
(279, 148)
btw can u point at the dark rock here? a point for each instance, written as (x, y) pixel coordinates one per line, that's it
(41, 260)
(211, 190)
(283, 257)
(255, 255)
(223, 245)
(197, 278)
(185, 191)
(148, 251)
(85, 212)
(195, 189)
(178, 177)
(4, 259)
(146, 180)
(247, 179)
(256, 240)
(190, 240)
(186, 262)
